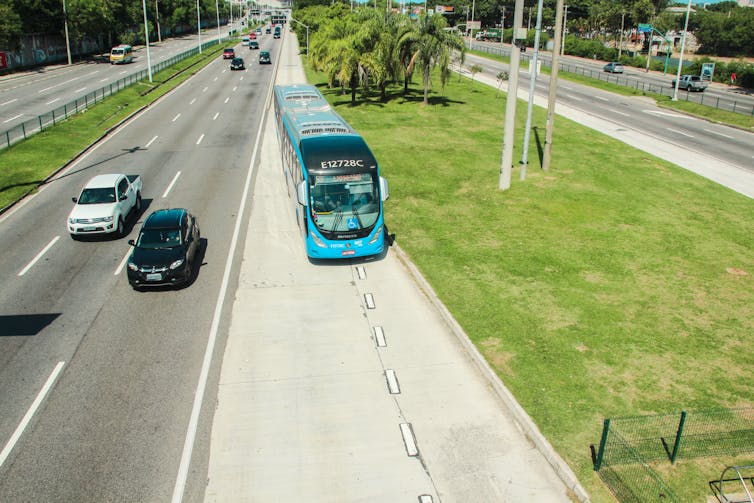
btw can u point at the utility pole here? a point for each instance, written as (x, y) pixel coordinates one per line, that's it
(553, 88)
(532, 82)
(620, 44)
(157, 19)
(510, 102)
(502, 26)
(199, 26)
(146, 36)
(680, 59)
(67, 42)
(565, 22)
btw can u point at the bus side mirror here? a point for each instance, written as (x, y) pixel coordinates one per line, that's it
(384, 189)
(301, 193)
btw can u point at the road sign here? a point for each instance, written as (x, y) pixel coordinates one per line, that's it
(645, 28)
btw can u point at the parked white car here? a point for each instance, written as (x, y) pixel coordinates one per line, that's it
(104, 205)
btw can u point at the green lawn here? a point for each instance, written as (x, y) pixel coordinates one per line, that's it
(616, 284)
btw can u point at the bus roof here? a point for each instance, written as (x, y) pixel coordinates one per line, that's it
(319, 151)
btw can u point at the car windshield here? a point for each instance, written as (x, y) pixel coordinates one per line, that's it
(237, 61)
(159, 238)
(102, 195)
(344, 202)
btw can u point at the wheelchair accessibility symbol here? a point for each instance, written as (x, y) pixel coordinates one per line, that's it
(353, 224)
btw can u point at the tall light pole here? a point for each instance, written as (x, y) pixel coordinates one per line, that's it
(550, 125)
(67, 42)
(217, 11)
(532, 82)
(565, 22)
(506, 165)
(157, 18)
(307, 34)
(199, 26)
(680, 59)
(620, 44)
(146, 36)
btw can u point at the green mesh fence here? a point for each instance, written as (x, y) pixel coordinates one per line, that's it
(628, 444)
(629, 478)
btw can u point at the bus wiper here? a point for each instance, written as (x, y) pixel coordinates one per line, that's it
(356, 214)
(338, 218)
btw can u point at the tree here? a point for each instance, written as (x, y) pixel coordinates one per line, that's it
(433, 48)
(10, 26)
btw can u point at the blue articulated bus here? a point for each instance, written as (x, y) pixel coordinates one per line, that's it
(332, 174)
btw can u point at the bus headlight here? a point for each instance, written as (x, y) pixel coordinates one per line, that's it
(317, 241)
(376, 236)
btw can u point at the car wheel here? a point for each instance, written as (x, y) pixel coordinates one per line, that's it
(121, 230)
(137, 206)
(74, 237)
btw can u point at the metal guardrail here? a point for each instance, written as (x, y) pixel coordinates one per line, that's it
(47, 120)
(701, 98)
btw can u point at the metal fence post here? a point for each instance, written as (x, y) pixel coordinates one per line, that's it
(603, 441)
(678, 435)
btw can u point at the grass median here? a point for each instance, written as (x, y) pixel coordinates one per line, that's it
(26, 165)
(616, 284)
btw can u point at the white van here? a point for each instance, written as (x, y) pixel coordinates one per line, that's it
(121, 54)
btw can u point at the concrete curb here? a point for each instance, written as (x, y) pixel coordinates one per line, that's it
(519, 414)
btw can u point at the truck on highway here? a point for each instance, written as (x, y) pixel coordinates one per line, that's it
(104, 205)
(691, 83)
(490, 34)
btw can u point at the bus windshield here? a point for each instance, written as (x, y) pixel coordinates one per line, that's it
(342, 203)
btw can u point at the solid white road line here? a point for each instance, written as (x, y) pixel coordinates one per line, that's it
(176, 117)
(217, 114)
(170, 186)
(30, 413)
(200, 139)
(39, 256)
(150, 142)
(188, 446)
(227, 99)
(9, 102)
(122, 263)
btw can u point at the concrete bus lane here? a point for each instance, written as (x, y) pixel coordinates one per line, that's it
(341, 381)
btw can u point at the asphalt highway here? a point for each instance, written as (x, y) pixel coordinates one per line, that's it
(97, 381)
(26, 95)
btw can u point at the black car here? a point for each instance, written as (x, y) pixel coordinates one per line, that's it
(237, 64)
(166, 249)
(264, 58)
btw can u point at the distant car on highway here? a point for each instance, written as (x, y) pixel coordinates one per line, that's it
(253, 44)
(104, 205)
(258, 31)
(268, 29)
(229, 53)
(237, 64)
(613, 67)
(691, 83)
(264, 58)
(166, 250)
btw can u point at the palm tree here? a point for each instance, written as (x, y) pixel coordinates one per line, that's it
(434, 46)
